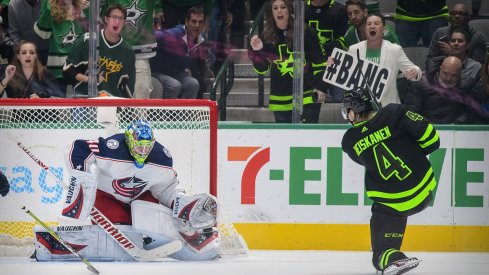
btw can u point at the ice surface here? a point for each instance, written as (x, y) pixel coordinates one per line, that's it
(262, 262)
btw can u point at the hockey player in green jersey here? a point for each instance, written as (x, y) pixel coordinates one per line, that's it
(392, 144)
(115, 60)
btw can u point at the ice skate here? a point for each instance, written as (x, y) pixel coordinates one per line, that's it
(401, 266)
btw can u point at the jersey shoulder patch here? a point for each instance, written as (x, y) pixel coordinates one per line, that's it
(113, 147)
(112, 143)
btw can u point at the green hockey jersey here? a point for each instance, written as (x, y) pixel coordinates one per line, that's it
(62, 37)
(116, 63)
(138, 31)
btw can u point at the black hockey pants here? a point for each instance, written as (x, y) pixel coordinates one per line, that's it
(387, 228)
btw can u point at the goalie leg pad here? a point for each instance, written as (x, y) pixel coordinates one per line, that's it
(203, 245)
(198, 247)
(89, 241)
(156, 221)
(153, 218)
(80, 197)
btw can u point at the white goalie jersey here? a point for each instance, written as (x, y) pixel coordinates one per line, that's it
(116, 174)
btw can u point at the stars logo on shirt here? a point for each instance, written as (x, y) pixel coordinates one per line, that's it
(109, 66)
(134, 14)
(324, 35)
(285, 66)
(69, 38)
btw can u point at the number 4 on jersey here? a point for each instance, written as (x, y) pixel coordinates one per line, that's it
(389, 164)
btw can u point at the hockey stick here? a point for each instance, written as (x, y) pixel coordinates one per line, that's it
(56, 236)
(369, 89)
(119, 237)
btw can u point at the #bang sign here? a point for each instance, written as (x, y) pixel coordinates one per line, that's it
(349, 72)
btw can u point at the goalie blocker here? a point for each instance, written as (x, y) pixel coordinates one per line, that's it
(192, 221)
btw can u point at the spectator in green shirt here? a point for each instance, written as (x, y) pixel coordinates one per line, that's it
(357, 14)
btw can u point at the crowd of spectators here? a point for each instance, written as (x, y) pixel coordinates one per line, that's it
(455, 80)
(59, 31)
(43, 50)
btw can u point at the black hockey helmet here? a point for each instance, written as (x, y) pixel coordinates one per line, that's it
(357, 99)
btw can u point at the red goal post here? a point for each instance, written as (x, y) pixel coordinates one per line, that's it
(187, 128)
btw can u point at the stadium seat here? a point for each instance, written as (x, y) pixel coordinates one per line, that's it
(484, 9)
(388, 7)
(157, 88)
(331, 113)
(481, 25)
(417, 55)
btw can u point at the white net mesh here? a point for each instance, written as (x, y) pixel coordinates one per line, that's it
(187, 128)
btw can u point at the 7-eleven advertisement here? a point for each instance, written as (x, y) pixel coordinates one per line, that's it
(299, 181)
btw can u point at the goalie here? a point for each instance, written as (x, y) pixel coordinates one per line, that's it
(134, 185)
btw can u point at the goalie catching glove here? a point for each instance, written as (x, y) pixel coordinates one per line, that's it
(194, 212)
(194, 217)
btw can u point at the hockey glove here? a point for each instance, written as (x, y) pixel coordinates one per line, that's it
(80, 197)
(193, 212)
(4, 185)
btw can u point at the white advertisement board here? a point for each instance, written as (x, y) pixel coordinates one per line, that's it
(279, 183)
(291, 176)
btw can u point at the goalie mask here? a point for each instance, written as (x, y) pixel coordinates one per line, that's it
(358, 100)
(140, 140)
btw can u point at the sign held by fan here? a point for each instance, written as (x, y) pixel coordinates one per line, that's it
(348, 71)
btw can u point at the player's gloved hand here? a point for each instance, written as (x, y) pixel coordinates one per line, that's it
(4, 185)
(193, 212)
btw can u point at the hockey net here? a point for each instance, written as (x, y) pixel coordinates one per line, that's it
(187, 128)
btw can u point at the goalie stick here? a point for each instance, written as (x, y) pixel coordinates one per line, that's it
(120, 238)
(56, 236)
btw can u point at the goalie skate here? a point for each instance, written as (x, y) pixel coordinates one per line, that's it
(401, 266)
